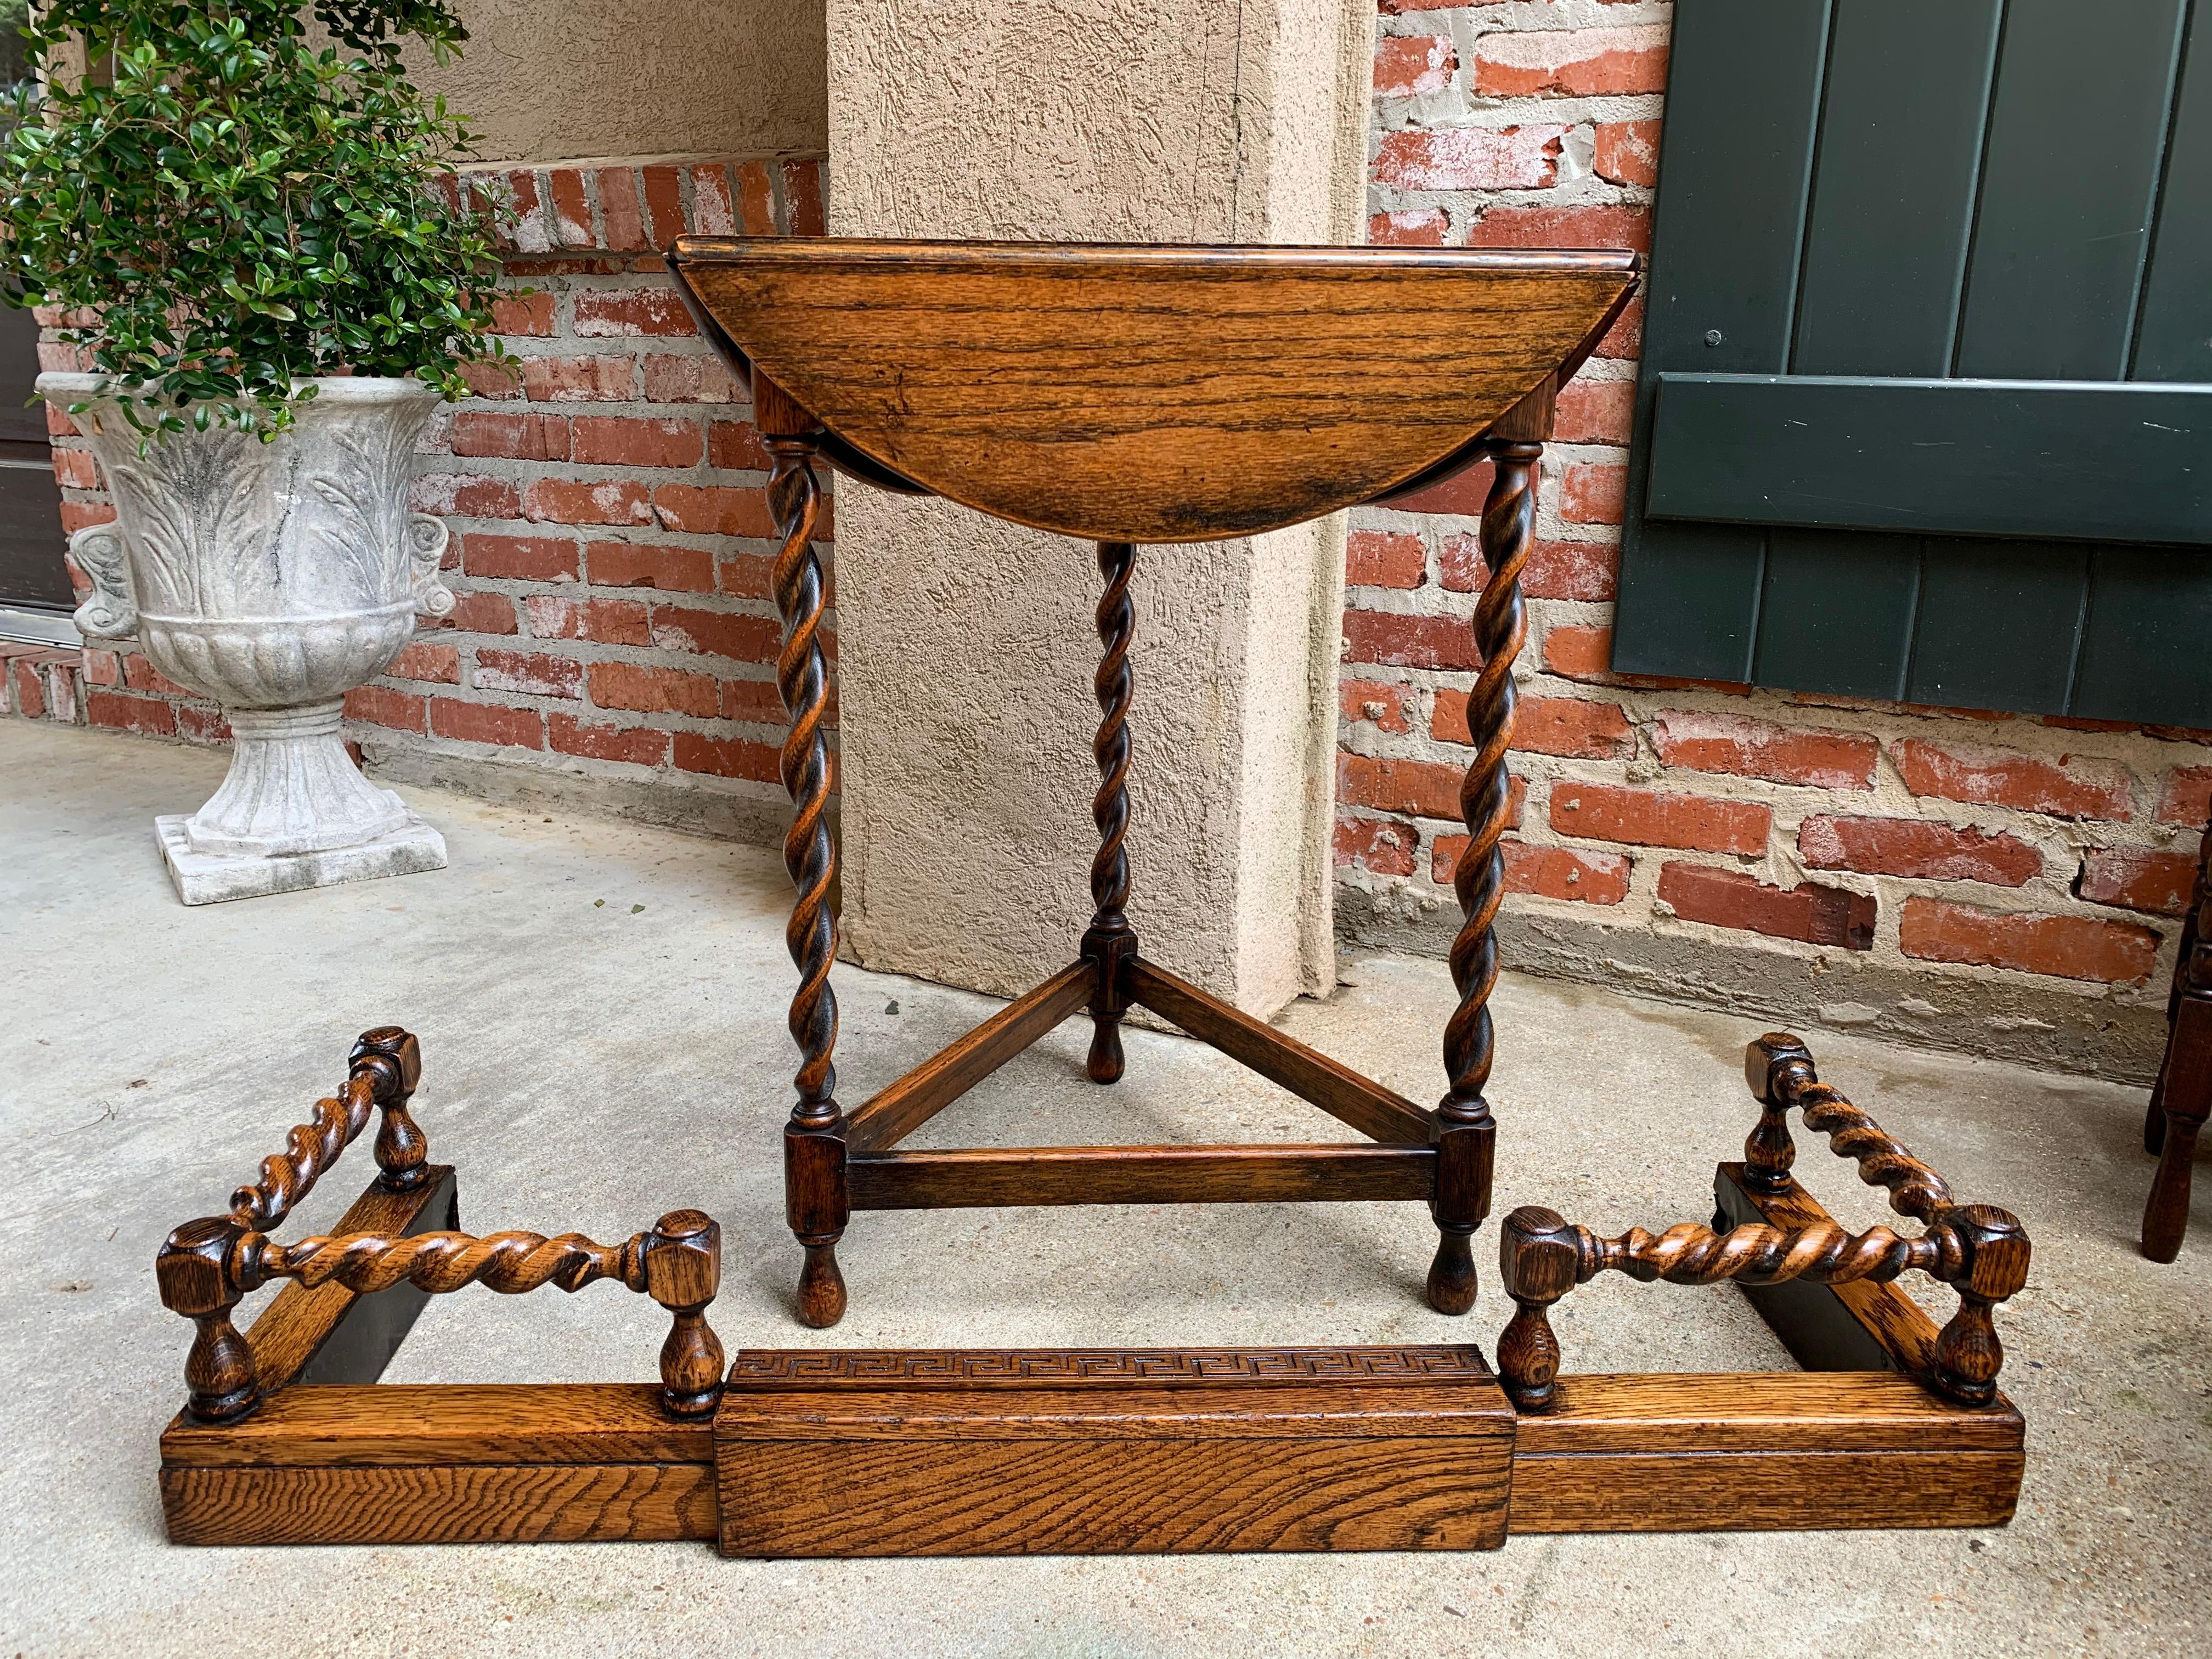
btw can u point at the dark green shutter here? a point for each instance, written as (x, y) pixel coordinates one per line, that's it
(1925, 409)
(32, 574)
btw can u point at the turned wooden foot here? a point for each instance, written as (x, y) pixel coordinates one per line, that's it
(1105, 1063)
(2181, 1103)
(2166, 1217)
(821, 1286)
(1451, 1275)
(2183, 1099)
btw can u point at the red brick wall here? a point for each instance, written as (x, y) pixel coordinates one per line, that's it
(1943, 847)
(41, 683)
(615, 639)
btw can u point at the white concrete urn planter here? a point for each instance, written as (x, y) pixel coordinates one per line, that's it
(273, 578)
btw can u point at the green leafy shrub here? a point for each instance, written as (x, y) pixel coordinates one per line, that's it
(226, 205)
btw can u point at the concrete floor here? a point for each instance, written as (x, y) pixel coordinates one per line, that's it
(601, 1009)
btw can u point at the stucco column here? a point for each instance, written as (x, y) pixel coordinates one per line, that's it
(966, 647)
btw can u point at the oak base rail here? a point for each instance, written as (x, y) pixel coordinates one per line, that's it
(287, 1438)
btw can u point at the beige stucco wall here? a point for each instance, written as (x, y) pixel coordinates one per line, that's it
(561, 80)
(967, 647)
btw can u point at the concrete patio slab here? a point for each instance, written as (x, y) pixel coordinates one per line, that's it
(601, 1010)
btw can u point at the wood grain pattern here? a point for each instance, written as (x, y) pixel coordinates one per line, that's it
(840, 1497)
(405, 1463)
(445, 1423)
(1377, 1112)
(895, 1111)
(1141, 1175)
(1757, 1492)
(1749, 1451)
(1761, 1411)
(395, 1425)
(1153, 394)
(1030, 1451)
(300, 1323)
(475, 1503)
(871, 1370)
(1463, 1408)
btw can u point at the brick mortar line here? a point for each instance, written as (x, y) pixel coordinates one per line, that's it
(550, 759)
(1887, 791)
(548, 703)
(1644, 704)
(1637, 912)
(526, 470)
(1626, 918)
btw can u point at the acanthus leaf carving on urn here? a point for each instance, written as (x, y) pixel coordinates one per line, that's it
(199, 517)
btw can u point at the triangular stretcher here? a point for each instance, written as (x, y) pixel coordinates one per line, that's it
(1400, 1164)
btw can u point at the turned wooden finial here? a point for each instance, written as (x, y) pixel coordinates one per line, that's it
(393, 1059)
(1968, 1355)
(1537, 1259)
(1775, 1065)
(194, 1272)
(683, 1272)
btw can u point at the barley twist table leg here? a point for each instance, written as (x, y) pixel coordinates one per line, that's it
(816, 1200)
(1109, 942)
(1466, 1133)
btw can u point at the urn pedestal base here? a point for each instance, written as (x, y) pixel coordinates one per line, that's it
(209, 879)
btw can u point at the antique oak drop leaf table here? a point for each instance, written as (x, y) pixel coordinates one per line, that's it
(1124, 395)
(1121, 395)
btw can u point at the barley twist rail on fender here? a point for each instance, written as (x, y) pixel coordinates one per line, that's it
(382, 1072)
(206, 1265)
(508, 1263)
(1691, 1254)
(195, 1266)
(1980, 1251)
(1781, 1074)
